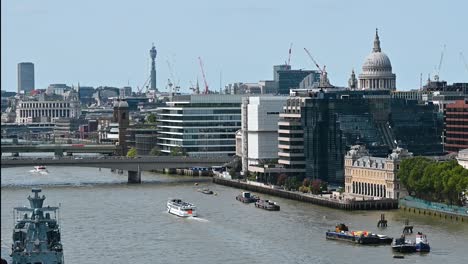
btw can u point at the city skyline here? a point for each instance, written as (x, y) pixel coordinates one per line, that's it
(242, 46)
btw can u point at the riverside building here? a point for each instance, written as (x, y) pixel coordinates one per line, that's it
(315, 130)
(456, 126)
(367, 176)
(41, 110)
(259, 133)
(201, 125)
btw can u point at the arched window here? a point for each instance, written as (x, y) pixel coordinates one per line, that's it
(124, 115)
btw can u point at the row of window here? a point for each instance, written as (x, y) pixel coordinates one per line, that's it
(44, 105)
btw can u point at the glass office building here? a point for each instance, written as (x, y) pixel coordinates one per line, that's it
(200, 125)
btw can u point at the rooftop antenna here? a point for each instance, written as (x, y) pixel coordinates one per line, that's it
(220, 81)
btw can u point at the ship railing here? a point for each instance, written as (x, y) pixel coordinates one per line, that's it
(43, 209)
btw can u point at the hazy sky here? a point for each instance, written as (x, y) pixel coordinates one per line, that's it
(107, 42)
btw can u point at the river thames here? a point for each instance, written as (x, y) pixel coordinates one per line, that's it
(105, 220)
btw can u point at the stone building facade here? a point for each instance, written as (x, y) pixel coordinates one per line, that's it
(367, 176)
(42, 111)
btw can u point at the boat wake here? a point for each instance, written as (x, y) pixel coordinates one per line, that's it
(39, 172)
(203, 220)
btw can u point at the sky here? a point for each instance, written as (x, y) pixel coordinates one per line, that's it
(107, 42)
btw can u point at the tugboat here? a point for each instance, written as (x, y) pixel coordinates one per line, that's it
(403, 245)
(360, 237)
(36, 235)
(246, 197)
(421, 243)
(181, 208)
(267, 205)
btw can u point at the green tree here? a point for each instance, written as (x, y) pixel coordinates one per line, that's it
(177, 151)
(151, 118)
(156, 151)
(292, 183)
(132, 153)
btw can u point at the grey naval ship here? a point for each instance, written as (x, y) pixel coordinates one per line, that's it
(36, 235)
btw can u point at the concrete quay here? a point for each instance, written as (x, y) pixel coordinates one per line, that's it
(434, 213)
(382, 204)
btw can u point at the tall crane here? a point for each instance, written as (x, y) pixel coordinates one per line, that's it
(316, 64)
(436, 76)
(289, 56)
(145, 84)
(171, 72)
(462, 57)
(204, 77)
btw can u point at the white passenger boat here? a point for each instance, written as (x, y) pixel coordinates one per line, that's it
(40, 168)
(181, 208)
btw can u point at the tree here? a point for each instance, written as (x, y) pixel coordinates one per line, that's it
(151, 118)
(434, 181)
(132, 153)
(236, 167)
(177, 151)
(315, 186)
(292, 183)
(281, 179)
(306, 182)
(156, 151)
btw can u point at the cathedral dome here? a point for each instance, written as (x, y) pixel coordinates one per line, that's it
(377, 62)
(377, 70)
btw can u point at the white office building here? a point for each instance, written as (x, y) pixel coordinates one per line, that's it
(200, 125)
(259, 134)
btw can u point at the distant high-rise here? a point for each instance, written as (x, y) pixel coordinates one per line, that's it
(25, 77)
(153, 53)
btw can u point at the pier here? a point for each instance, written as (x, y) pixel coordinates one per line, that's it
(382, 204)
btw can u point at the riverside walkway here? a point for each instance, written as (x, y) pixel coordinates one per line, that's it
(323, 200)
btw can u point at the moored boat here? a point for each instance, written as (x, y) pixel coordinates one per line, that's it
(181, 208)
(36, 235)
(360, 237)
(247, 197)
(421, 243)
(403, 245)
(267, 205)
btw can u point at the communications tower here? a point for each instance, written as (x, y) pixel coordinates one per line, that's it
(153, 53)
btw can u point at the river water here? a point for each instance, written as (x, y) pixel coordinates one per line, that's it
(105, 220)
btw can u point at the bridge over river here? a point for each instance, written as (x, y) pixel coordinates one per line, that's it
(134, 166)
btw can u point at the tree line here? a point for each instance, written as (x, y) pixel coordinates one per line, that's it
(434, 181)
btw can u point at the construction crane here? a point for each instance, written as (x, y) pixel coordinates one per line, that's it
(171, 72)
(145, 84)
(289, 56)
(462, 57)
(173, 89)
(204, 77)
(436, 76)
(195, 89)
(316, 64)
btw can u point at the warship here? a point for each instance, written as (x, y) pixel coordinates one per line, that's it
(36, 234)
